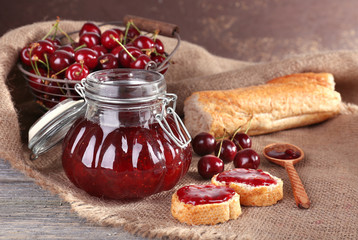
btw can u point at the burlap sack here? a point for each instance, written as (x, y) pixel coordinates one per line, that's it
(329, 170)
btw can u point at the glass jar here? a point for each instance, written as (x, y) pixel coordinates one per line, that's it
(130, 143)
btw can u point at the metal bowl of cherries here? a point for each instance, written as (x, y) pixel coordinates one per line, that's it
(54, 64)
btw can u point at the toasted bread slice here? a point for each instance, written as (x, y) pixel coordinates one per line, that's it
(208, 213)
(251, 195)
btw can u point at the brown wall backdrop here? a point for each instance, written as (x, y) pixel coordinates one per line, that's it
(253, 30)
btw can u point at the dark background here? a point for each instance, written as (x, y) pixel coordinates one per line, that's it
(252, 30)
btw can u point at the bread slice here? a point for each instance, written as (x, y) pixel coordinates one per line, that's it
(264, 195)
(287, 102)
(209, 213)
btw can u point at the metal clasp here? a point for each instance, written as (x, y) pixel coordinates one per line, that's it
(80, 88)
(184, 136)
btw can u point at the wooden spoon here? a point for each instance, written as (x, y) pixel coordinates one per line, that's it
(299, 192)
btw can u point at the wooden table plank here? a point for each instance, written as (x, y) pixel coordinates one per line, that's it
(29, 212)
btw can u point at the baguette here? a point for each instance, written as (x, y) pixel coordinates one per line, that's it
(286, 102)
(251, 195)
(208, 213)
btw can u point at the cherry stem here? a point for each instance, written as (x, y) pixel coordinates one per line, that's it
(249, 125)
(221, 145)
(136, 28)
(236, 131)
(79, 47)
(155, 35)
(59, 72)
(54, 27)
(67, 36)
(124, 48)
(126, 32)
(47, 65)
(78, 73)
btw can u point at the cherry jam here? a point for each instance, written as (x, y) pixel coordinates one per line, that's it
(250, 177)
(125, 162)
(285, 155)
(204, 194)
(129, 144)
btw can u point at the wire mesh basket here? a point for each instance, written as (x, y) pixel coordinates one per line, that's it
(49, 91)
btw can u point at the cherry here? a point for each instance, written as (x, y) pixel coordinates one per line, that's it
(209, 165)
(68, 48)
(141, 62)
(115, 51)
(204, 143)
(42, 48)
(125, 59)
(108, 39)
(88, 56)
(100, 50)
(143, 42)
(52, 88)
(77, 71)
(132, 33)
(90, 39)
(25, 56)
(107, 61)
(242, 141)
(159, 46)
(227, 149)
(55, 42)
(90, 27)
(158, 59)
(247, 158)
(120, 33)
(36, 82)
(60, 59)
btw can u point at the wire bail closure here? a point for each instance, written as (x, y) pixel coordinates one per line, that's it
(184, 140)
(80, 88)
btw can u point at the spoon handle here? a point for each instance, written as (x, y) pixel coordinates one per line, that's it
(299, 192)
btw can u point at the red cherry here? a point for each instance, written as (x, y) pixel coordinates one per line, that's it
(90, 39)
(141, 62)
(100, 50)
(132, 33)
(242, 141)
(108, 39)
(36, 82)
(42, 47)
(52, 88)
(68, 48)
(204, 143)
(55, 42)
(115, 51)
(107, 61)
(124, 58)
(90, 27)
(25, 56)
(247, 158)
(158, 59)
(143, 42)
(77, 71)
(88, 56)
(120, 33)
(60, 59)
(209, 165)
(228, 150)
(159, 46)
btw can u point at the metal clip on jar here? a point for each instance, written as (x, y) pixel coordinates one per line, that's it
(130, 143)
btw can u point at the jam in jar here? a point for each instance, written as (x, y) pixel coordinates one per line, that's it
(130, 143)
